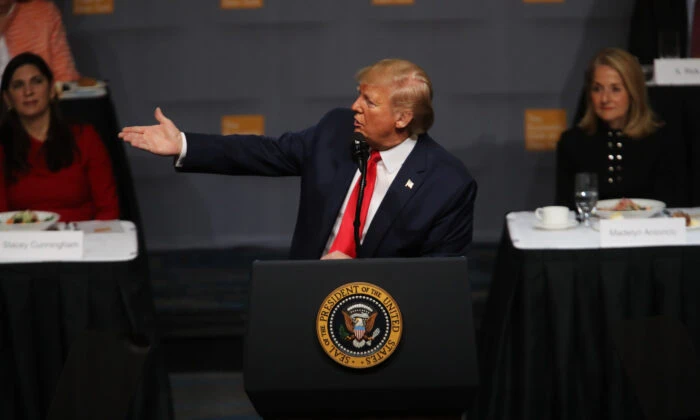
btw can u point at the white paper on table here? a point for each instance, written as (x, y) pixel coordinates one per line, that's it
(41, 245)
(626, 233)
(99, 226)
(677, 71)
(525, 236)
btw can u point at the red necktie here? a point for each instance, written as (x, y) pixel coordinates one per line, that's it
(345, 240)
(695, 33)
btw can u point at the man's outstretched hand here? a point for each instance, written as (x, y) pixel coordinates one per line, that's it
(162, 139)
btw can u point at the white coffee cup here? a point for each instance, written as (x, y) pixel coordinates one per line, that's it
(553, 215)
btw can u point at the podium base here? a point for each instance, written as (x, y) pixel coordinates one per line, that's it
(425, 403)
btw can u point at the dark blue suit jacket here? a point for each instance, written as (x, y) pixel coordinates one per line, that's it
(433, 218)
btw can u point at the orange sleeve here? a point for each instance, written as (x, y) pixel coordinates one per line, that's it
(100, 174)
(62, 62)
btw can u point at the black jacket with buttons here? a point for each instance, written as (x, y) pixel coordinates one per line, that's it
(651, 167)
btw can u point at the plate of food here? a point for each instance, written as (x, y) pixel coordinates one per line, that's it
(629, 208)
(85, 87)
(27, 220)
(692, 221)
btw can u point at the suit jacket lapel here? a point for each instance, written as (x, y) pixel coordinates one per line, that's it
(407, 182)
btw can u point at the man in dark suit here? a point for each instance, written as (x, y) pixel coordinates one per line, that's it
(421, 203)
(651, 19)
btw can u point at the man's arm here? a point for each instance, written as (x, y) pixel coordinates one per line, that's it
(231, 155)
(247, 154)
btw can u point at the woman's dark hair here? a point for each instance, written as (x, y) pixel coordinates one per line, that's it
(59, 148)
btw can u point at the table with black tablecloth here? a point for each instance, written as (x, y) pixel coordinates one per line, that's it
(44, 306)
(43, 309)
(546, 343)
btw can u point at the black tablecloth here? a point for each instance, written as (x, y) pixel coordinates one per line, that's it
(545, 343)
(43, 309)
(44, 306)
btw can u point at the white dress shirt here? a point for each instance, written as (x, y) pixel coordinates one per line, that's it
(387, 168)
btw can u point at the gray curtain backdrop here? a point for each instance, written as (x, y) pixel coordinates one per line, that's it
(295, 59)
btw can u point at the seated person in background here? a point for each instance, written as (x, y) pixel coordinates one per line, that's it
(36, 26)
(47, 164)
(620, 139)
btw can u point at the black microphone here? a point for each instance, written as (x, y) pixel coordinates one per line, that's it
(360, 150)
(360, 154)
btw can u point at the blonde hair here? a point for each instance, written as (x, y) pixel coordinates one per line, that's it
(641, 120)
(411, 89)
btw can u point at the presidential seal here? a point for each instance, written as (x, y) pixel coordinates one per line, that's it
(359, 325)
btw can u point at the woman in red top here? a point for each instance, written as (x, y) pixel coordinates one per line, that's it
(47, 164)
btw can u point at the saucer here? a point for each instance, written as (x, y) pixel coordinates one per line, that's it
(570, 224)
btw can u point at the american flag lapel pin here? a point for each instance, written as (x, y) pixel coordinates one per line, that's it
(409, 184)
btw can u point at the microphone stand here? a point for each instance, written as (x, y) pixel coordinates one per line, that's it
(358, 208)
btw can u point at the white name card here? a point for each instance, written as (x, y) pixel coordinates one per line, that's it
(623, 233)
(41, 246)
(677, 71)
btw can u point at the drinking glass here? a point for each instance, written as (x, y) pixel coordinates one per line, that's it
(586, 195)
